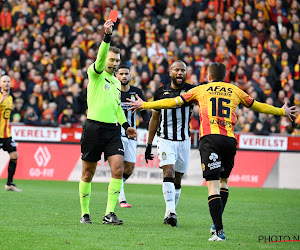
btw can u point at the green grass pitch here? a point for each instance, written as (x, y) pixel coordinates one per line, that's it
(46, 216)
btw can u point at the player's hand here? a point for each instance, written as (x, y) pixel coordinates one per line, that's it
(136, 105)
(131, 132)
(4, 95)
(289, 111)
(148, 155)
(108, 26)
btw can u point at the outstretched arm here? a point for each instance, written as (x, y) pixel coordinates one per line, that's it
(160, 104)
(268, 109)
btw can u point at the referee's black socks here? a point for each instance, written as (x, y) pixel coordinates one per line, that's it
(216, 210)
(224, 192)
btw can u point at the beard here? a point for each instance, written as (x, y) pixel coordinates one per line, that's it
(124, 83)
(174, 80)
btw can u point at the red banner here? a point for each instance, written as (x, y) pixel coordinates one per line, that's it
(61, 161)
(252, 168)
(45, 161)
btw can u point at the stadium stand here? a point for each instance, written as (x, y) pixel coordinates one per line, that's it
(47, 46)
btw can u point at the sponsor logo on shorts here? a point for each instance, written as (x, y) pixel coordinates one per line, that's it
(121, 149)
(13, 143)
(213, 157)
(216, 164)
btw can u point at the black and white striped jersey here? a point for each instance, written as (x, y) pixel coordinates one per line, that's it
(131, 118)
(174, 123)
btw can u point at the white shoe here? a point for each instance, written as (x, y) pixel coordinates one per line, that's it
(12, 188)
(216, 237)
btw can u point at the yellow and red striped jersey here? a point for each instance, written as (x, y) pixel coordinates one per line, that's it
(217, 104)
(5, 111)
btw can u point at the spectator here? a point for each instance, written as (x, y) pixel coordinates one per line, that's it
(57, 41)
(48, 119)
(68, 118)
(31, 117)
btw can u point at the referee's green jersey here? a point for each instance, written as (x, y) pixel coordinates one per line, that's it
(104, 91)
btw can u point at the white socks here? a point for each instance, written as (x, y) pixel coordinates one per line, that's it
(122, 193)
(169, 195)
(177, 195)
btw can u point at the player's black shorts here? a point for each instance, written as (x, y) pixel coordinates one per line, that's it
(217, 154)
(8, 144)
(98, 137)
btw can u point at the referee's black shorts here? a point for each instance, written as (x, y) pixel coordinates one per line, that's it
(98, 137)
(217, 154)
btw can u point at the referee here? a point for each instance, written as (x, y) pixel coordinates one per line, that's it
(101, 132)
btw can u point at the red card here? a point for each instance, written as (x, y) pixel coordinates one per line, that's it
(113, 15)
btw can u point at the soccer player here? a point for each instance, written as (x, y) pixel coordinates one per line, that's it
(129, 145)
(174, 141)
(7, 143)
(101, 132)
(217, 104)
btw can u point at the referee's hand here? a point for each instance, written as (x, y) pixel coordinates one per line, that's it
(108, 26)
(148, 155)
(131, 132)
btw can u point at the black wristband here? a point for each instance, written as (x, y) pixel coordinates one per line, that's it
(107, 38)
(125, 125)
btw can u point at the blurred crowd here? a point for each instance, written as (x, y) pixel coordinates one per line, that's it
(47, 46)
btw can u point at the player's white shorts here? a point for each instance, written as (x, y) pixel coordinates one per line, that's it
(174, 152)
(129, 149)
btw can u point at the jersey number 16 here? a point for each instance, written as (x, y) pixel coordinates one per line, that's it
(222, 110)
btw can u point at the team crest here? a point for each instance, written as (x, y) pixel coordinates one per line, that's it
(164, 156)
(132, 97)
(106, 86)
(166, 93)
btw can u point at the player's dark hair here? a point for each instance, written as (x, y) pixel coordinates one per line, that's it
(123, 66)
(217, 71)
(115, 50)
(177, 61)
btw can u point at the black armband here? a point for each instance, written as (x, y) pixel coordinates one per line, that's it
(107, 38)
(125, 125)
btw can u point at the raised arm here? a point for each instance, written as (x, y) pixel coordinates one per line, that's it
(104, 47)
